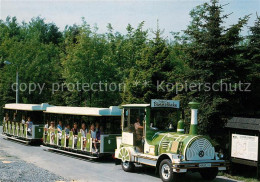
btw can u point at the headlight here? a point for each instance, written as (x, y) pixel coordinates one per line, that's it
(181, 157)
(219, 156)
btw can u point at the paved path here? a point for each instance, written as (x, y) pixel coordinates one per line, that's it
(82, 170)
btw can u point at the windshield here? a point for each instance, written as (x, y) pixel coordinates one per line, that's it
(163, 119)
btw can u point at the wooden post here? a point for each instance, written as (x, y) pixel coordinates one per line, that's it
(229, 151)
(258, 164)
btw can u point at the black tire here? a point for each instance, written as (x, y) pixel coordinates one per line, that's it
(166, 171)
(209, 173)
(128, 166)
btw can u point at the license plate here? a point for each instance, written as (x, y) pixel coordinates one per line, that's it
(205, 165)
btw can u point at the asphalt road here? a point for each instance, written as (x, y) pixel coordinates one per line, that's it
(75, 169)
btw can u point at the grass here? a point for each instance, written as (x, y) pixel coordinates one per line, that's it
(241, 178)
(242, 173)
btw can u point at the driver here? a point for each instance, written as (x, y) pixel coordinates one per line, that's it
(138, 129)
(137, 124)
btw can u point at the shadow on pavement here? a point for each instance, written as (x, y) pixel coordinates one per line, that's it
(99, 160)
(188, 177)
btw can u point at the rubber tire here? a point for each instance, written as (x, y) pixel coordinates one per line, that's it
(172, 175)
(130, 167)
(209, 173)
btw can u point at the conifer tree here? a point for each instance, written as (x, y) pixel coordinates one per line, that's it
(252, 57)
(213, 53)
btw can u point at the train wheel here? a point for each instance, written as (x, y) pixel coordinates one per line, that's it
(128, 166)
(165, 170)
(209, 173)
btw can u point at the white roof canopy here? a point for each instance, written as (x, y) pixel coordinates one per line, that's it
(85, 111)
(136, 105)
(27, 107)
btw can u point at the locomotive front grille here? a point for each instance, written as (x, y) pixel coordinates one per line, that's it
(200, 149)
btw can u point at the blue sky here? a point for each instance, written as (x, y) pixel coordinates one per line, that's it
(173, 15)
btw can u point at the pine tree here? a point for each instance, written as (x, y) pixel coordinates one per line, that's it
(213, 54)
(252, 57)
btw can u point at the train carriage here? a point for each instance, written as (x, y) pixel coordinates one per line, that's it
(24, 122)
(148, 138)
(82, 144)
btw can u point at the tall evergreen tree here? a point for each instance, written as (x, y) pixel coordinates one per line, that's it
(213, 54)
(252, 57)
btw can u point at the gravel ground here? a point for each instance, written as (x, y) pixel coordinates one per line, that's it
(13, 169)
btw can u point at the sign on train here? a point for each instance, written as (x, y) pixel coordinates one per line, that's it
(165, 103)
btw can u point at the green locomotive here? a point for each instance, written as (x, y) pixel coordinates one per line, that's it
(154, 142)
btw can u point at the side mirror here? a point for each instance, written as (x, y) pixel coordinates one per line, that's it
(153, 128)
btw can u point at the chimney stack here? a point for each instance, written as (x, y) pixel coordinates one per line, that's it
(194, 120)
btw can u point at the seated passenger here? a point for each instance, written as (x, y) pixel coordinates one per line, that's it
(93, 136)
(46, 126)
(45, 130)
(97, 127)
(93, 132)
(15, 117)
(52, 131)
(75, 133)
(14, 120)
(52, 127)
(97, 130)
(59, 127)
(67, 129)
(75, 129)
(23, 119)
(100, 132)
(29, 126)
(84, 132)
(6, 118)
(67, 132)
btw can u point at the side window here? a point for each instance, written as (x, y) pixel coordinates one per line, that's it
(131, 116)
(127, 120)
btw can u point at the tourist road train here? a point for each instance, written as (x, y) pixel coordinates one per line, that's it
(147, 134)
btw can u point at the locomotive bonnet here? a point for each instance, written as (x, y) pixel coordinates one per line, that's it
(189, 146)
